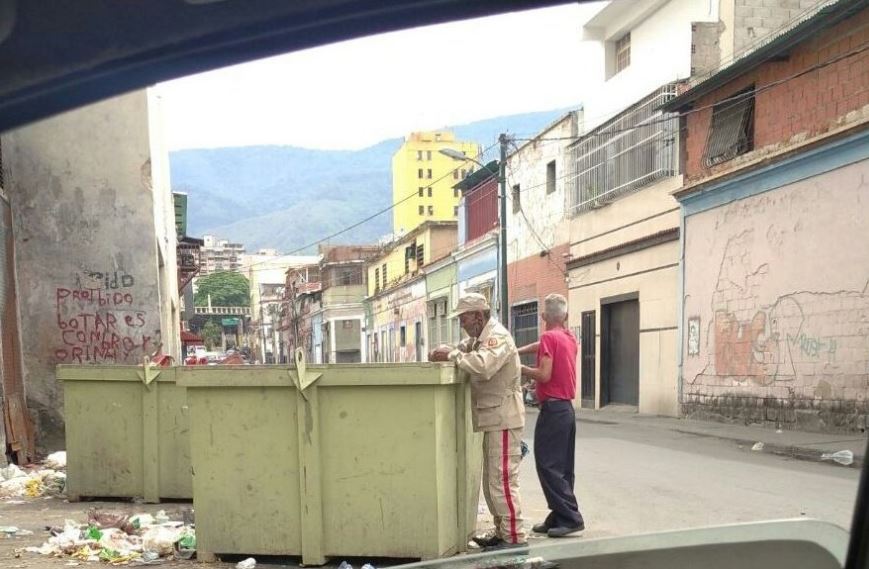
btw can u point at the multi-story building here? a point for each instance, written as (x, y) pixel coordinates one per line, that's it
(221, 255)
(325, 307)
(423, 179)
(774, 297)
(396, 306)
(267, 275)
(537, 226)
(622, 172)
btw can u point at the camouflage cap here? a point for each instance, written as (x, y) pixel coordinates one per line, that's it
(470, 302)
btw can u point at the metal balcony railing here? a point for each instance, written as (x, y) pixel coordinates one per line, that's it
(231, 310)
(624, 155)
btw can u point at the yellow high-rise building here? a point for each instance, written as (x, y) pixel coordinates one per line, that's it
(420, 171)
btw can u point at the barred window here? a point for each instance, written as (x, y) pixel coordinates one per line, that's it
(732, 130)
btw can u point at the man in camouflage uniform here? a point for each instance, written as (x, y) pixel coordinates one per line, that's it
(491, 358)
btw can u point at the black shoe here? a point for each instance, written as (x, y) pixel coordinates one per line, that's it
(488, 541)
(565, 531)
(504, 545)
(541, 528)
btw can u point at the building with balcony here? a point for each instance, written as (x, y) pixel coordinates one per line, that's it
(622, 172)
(325, 310)
(396, 307)
(267, 275)
(221, 255)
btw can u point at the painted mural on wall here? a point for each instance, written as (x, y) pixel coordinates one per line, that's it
(99, 320)
(764, 334)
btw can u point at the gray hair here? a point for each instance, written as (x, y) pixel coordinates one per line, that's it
(555, 307)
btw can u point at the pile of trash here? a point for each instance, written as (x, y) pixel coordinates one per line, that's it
(50, 480)
(120, 539)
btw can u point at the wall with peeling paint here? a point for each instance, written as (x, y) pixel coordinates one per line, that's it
(94, 245)
(776, 305)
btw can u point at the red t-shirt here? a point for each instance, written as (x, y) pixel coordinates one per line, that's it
(560, 345)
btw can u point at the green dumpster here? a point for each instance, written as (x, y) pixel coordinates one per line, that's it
(365, 460)
(127, 433)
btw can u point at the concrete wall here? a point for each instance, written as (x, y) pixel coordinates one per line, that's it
(755, 19)
(777, 304)
(164, 225)
(648, 271)
(95, 245)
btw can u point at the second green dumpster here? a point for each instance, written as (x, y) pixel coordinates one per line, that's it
(364, 461)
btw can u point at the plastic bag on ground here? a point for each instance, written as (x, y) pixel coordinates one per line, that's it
(142, 521)
(248, 563)
(56, 460)
(160, 539)
(843, 457)
(10, 472)
(14, 487)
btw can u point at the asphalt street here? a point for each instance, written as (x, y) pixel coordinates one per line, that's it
(633, 478)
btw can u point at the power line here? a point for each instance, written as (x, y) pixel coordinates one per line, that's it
(734, 100)
(384, 210)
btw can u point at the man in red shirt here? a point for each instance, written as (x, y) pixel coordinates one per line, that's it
(555, 432)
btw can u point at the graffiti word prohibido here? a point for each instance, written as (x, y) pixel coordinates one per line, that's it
(96, 326)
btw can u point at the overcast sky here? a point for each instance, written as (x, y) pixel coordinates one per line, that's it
(353, 94)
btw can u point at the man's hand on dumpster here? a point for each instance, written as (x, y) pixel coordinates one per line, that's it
(440, 354)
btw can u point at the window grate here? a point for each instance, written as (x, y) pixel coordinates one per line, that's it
(624, 155)
(623, 52)
(732, 129)
(525, 330)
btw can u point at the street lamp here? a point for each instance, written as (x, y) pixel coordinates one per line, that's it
(502, 183)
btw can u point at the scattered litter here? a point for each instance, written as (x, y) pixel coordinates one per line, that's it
(119, 539)
(56, 460)
(843, 457)
(35, 484)
(250, 563)
(757, 447)
(345, 565)
(10, 531)
(10, 472)
(368, 566)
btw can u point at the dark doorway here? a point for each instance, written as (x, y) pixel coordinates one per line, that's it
(620, 350)
(587, 359)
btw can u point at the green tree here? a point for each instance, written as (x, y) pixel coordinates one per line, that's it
(226, 289)
(211, 333)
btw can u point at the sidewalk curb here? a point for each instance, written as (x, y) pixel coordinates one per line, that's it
(795, 452)
(788, 451)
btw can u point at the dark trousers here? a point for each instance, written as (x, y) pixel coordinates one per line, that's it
(554, 447)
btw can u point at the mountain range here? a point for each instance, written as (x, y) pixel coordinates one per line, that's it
(286, 197)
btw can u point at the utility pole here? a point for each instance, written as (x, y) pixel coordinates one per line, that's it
(505, 311)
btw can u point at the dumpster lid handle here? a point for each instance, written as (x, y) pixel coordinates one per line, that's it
(302, 378)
